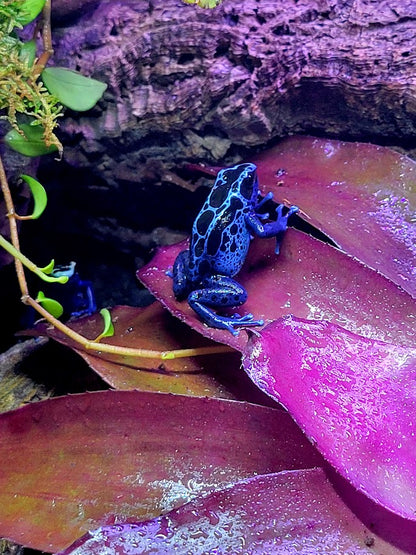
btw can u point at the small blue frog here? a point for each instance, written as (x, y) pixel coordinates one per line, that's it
(219, 244)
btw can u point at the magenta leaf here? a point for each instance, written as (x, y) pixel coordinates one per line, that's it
(355, 398)
(308, 279)
(363, 196)
(97, 458)
(289, 512)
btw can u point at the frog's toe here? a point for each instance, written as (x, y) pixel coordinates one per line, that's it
(234, 331)
(292, 210)
(236, 316)
(253, 323)
(246, 320)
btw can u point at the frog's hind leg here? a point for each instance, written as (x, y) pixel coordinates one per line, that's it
(180, 275)
(221, 291)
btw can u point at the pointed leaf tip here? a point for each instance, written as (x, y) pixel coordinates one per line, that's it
(108, 325)
(39, 196)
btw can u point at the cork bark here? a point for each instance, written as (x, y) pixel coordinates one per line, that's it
(193, 84)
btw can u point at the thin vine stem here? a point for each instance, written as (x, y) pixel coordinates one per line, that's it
(90, 345)
(14, 235)
(46, 40)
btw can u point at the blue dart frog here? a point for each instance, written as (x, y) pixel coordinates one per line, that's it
(220, 240)
(77, 297)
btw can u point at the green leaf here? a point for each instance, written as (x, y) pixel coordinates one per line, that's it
(52, 306)
(28, 52)
(51, 279)
(73, 89)
(204, 3)
(30, 9)
(39, 196)
(49, 268)
(108, 325)
(30, 143)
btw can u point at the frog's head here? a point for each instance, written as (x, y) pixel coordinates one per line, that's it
(241, 180)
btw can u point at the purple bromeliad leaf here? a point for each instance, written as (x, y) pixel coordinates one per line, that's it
(98, 458)
(308, 279)
(355, 398)
(289, 512)
(363, 196)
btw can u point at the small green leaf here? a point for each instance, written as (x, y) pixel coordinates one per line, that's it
(39, 196)
(29, 10)
(28, 52)
(73, 89)
(49, 268)
(204, 3)
(108, 325)
(52, 306)
(46, 273)
(31, 143)
(51, 279)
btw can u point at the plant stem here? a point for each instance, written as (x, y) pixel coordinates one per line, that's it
(21, 260)
(90, 345)
(19, 256)
(47, 41)
(13, 230)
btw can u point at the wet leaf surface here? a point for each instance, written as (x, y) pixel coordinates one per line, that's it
(288, 512)
(361, 195)
(103, 457)
(309, 279)
(355, 398)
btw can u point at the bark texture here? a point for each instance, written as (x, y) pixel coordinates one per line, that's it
(189, 84)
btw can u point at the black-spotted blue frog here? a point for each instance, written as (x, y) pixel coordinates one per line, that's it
(219, 244)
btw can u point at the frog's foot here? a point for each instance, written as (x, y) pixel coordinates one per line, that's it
(282, 223)
(247, 318)
(231, 323)
(282, 219)
(267, 197)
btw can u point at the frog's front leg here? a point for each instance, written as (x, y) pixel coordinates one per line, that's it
(263, 201)
(221, 291)
(275, 228)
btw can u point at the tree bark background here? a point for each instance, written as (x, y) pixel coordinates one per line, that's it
(193, 85)
(189, 84)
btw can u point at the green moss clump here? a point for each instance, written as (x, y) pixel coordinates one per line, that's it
(21, 91)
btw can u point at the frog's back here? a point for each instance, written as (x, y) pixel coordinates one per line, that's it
(220, 239)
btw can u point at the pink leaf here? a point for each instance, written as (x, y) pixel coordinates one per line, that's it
(309, 279)
(363, 196)
(289, 512)
(93, 458)
(355, 398)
